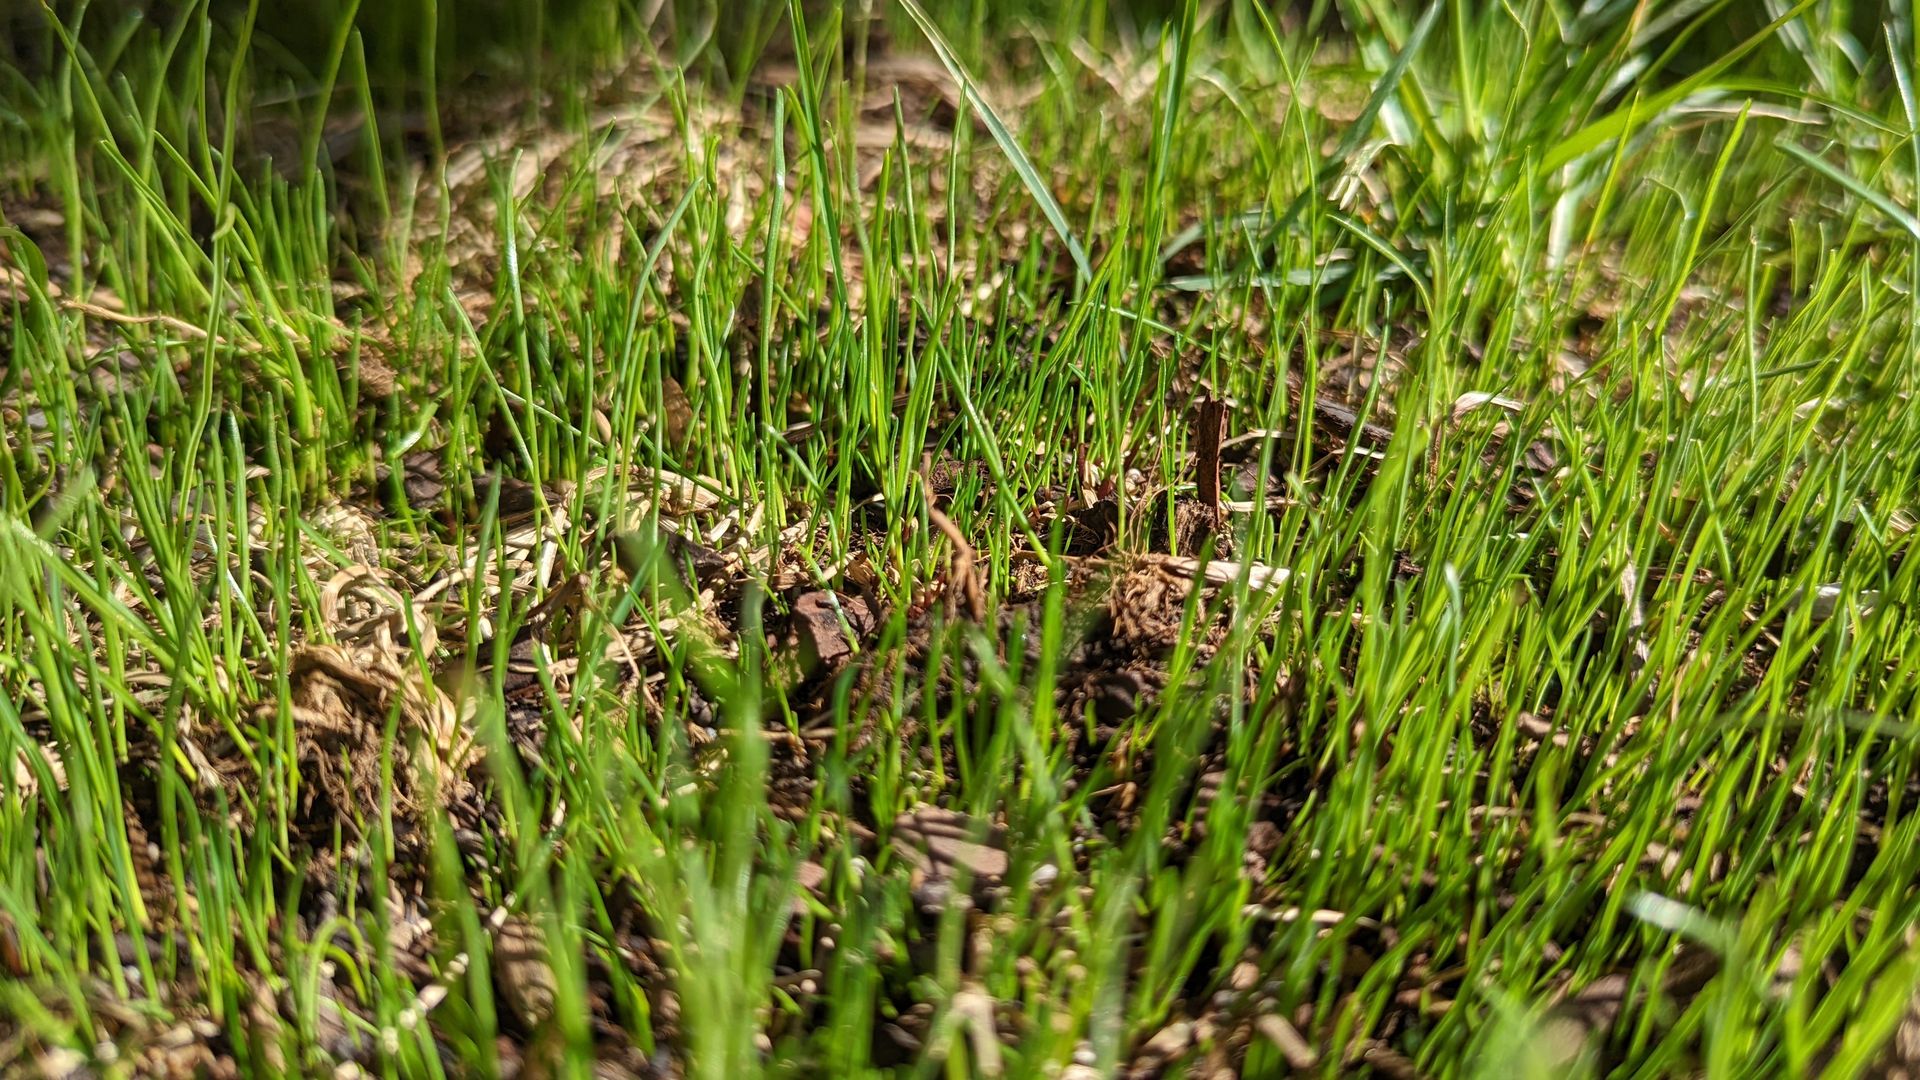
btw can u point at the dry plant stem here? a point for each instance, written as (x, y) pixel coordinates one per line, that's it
(963, 575)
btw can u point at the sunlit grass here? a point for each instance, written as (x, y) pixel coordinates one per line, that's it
(1599, 665)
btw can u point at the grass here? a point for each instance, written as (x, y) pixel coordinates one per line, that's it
(1557, 723)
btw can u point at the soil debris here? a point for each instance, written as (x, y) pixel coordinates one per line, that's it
(339, 702)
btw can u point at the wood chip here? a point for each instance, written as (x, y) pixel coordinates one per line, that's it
(1220, 572)
(941, 848)
(1209, 429)
(827, 626)
(1166, 1045)
(521, 970)
(808, 877)
(1293, 1047)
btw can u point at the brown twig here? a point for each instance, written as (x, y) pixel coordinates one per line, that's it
(964, 575)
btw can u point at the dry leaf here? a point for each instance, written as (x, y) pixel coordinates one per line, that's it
(1589, 1014)
(12, 960)
(679, 411)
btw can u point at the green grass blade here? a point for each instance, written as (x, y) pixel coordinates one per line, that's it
(1030, 176)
